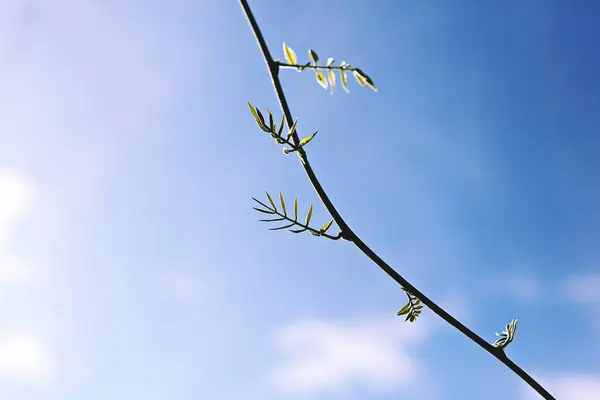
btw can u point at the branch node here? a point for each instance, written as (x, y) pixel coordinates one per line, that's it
(346, 235)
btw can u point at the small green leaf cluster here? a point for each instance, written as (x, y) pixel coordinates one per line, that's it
(283, 216)
(507, 335)
(329, 80)
(412, 309)
(276, 133)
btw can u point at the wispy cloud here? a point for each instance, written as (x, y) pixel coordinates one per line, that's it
(185, 287)
(82, 80)
(26, 357)
(14, 269)
(568, 386)
(17, 197)
(583, 288)
(522, 286)
(321, 355)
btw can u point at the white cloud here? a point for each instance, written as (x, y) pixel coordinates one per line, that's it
(583, 288)
(72, 106)
(185, 287)
(516, 284)
(330, 356)
(25, 357)
(567, 387)
(523, 287)
(17, 197)
(14, 269)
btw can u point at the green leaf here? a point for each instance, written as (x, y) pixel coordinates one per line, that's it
(271, 200)
(282, 227)
(330, 61)
(307, 139)
(263, 211)
(252, 110)
(313, 56)
(326, 226)
(281, 125)
(321, 79)
(282, 203)
(344, 79)
(295, 208)
(272, 219)
(260, 116)
(404, 309)
(289, 54)
(507, 336)
(260, 121)
(260, 202)
(292, 129)
(360, 76)
(308, 215)
(271, 122)
(331, 75)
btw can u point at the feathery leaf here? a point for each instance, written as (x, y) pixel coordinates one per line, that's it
(292, 129)
(331, 75)
(271, 201)
(321, 79)
(289, 54)
(263, 211)
(308, 215)
(271, 220)
(344, 79)
(295, 208)
(282, 227)
(307, 139)
(282, 203)
(313, 56)
(326, 226)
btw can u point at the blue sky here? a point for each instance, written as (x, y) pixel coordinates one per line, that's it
(132, 264)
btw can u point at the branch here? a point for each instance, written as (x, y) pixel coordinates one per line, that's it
(349, 235)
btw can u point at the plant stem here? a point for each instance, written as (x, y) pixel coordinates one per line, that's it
(349, 235)
(304, 66)
(314, 231)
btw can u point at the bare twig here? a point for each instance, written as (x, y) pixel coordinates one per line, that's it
(348, 234)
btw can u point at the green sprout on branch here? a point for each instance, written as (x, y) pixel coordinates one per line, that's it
(412, 309)
(507, 335)
(325, 75)
(329, 81)
(283, 216)
(276, 133)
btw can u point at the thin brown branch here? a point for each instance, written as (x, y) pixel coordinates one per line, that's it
(349, 235)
